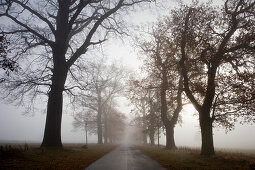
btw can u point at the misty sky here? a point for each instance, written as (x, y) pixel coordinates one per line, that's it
(15, 126)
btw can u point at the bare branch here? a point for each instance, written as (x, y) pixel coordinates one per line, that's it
(36, 14)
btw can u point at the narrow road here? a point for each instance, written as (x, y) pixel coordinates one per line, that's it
(125, 157)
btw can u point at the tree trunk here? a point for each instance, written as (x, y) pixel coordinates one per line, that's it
(99, 118)
(205, 119)
(206, 134)
(170, 143)
(144, 138)
(52, 131)
(99, 128)
(158, 136)
(105, 129)
(86, 131)
(151, 134)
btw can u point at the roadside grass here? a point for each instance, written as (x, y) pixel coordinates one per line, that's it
(73, 156)
(187, 158)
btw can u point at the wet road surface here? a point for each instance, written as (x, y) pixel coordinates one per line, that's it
(125, 157)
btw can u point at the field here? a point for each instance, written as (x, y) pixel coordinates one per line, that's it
(186, 158)
(73, 156)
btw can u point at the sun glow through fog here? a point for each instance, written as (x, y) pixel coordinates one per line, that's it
(189, 108)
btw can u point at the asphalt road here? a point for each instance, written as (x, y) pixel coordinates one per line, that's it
(125, 157)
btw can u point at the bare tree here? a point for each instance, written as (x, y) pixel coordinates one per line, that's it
(146, 102)
(85, 120)
(49, 38)
(107, 109)
(153, 119)
(137, 96)
(116, 123)
(217, 49)
(105, 83)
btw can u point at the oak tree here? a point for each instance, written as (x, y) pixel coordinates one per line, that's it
(217, 62)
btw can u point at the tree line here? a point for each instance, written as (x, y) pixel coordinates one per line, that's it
(95, 107)
(200, 53)
(203, 55)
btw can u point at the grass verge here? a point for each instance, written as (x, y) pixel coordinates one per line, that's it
(71, 157)
(186, 158)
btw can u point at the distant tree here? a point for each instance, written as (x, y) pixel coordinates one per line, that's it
(159, 125)
(116, 125)
(50, 39)
(217, 62)
(137, 98)
(85, 120)
(153, 119)
(161, 64)
(146, 108)
(139, 111)
(104, 83)
(107, 109)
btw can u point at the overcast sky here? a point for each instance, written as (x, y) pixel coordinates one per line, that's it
(15, 126)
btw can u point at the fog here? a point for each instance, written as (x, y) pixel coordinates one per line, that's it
(15, 127)
(30, 128)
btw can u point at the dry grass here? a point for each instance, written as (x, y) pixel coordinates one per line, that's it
(73, 156)
(186, 158)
